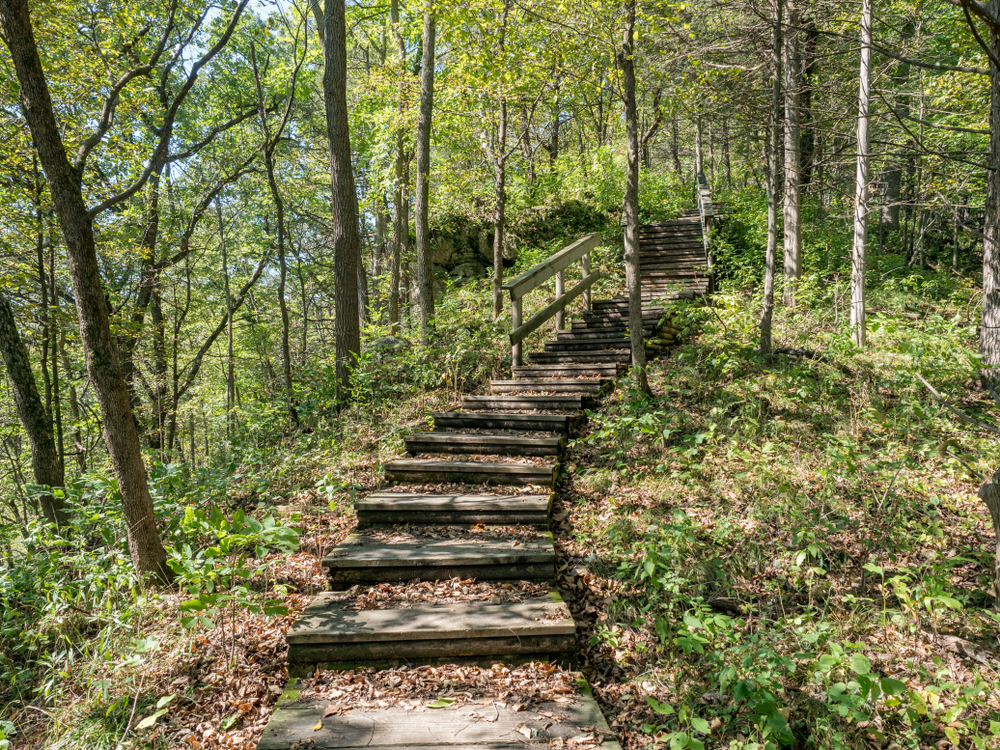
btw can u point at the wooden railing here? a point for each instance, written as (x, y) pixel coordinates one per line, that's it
(534, 277)
(707, 213)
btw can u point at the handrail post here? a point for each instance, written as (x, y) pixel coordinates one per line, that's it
(515, 323)
(586, 272)
(560, 290)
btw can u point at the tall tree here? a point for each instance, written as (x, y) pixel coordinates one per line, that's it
(793, 145)
(344, 202)
(860, 248)
(271, 141)
(400, 224)
(425, 269)
(46, 466)
(773, 156)
(76, 221)
(626, 63)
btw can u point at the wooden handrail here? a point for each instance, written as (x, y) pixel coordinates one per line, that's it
(534, 277)
(707, 213)
(538, 275)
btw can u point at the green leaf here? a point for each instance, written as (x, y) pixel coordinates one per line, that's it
(440, 703)
(860, 664)
(664, 709)
(701, 725)
(150, 720)
(892, 687)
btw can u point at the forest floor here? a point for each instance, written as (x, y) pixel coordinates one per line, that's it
(777, 550)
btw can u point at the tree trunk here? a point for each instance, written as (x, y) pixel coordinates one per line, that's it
(674, 149)
(633, 282)
(148, 555)
(793, 236)
(425, 269)
(230, 370)
(893, 174)
(499, 216)
(860, 250)
(773, 157)
(344, 198)
(400, 224)
(989, 493)
(48, 470)
(989, 337)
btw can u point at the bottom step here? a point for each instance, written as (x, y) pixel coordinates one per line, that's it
(302, 720)
(331, 631)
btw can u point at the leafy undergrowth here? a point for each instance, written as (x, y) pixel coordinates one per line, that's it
(789, 551)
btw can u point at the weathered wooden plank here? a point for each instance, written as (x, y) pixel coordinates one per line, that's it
(404, 507)
(572, 402)
(570, 345)
(330, 619)
(471, 472)
(593, 386)
(299, 722)
(503, 421)
(472, 443)
(361, 551)
(570, 370)
(604, 356)
(537, 275)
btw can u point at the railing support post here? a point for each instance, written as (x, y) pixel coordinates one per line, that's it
(560, 290)
(586, 272)
(515, 322)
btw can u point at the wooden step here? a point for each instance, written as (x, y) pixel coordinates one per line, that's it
(404, 471)
(301, 721)
(603, 333)
(567, 371)
(604, 356)
(543, 403)
(360, 559)
(451, 420)
(585, 345)
(591, 386)
(464, 510)
(482, 445)
(330, 631)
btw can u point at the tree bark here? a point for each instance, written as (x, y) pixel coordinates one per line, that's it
(46, 466)
(425, 269)
(270, 143)
(344, 198)
(500, 209)
(989, 336)
(626, 64)
(989, 493)
(400, 224)
(792, 228)
(148, 555)
(860, 249)
(773, 156)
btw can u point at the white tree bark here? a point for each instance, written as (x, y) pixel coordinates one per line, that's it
(858, 255)
(773, 155)
(793, 156)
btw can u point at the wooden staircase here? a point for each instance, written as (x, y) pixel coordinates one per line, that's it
(510, 438)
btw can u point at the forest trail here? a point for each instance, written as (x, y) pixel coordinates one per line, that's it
(465, 509)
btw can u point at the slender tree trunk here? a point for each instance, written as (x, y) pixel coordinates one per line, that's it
(860, 250)
(230, 368)
(425, 269)
(344, 203)
(773, 157)
(400, 225)
(160, 405)
(632, 271)
(279, 210)
(148, 555)
(674, 149)
(989, 337)
(792, 227)
(45, 463)
(499, 216)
